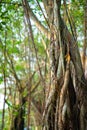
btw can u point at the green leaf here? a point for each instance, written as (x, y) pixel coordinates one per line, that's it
(19, 67)
(1, 79)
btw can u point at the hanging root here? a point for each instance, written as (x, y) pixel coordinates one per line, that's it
(63, 94)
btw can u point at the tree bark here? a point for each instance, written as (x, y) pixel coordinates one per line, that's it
(71, 109)
(66, 106)
(18, 121)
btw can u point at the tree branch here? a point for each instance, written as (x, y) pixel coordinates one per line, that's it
(37, 22)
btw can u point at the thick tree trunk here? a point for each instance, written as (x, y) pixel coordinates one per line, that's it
(18, 121)
(66, 107)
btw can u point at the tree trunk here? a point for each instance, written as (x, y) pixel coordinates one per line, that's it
(66, 106)
(18, 121)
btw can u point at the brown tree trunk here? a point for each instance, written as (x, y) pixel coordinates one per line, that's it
(18, 121)
(68, 95)
(66, 106)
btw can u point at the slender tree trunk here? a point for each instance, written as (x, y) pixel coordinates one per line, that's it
(3, 111)
(4, 79)
(85, 36)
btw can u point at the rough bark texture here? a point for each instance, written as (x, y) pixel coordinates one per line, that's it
(69, 96)
(66, 105)
(18, 120)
